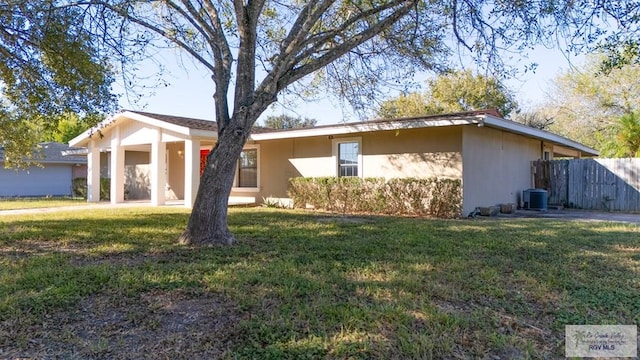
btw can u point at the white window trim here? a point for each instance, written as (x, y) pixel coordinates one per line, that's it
(235, 187)
(334, 153)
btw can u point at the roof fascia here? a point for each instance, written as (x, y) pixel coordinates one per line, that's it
(517, 128)
(365, 127)
(83, 138)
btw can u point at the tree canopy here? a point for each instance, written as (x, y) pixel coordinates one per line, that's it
(587, 104)
(464, 91)
(533, 119)
(49, 65)
(68, 126)
(288, 122)
(623, 138)
(618, 54)
(405, 105)
(455, 91)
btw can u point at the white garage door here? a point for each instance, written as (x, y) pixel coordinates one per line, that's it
(52, 180)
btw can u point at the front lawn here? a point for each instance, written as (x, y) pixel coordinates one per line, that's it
(113, 284)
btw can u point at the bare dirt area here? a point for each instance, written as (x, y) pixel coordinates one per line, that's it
(168, 325)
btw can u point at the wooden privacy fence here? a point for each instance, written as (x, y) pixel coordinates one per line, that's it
(595, 184)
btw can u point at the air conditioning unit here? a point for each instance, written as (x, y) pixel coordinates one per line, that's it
(535, 199)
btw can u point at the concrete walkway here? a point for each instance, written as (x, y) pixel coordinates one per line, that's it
(82, 207)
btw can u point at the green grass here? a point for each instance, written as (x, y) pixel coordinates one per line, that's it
(34, 203)
(113, 284)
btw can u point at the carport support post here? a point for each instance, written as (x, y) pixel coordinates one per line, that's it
(191, 171)
(117, 168)
(158, 169)
(93, 172)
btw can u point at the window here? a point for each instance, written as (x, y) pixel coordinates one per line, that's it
(248, 169)
(348, 159)
(348, 156)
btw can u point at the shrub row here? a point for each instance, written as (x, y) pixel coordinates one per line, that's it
(400, 196)
(79, 188)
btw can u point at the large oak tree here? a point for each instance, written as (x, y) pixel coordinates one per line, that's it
(257, 49)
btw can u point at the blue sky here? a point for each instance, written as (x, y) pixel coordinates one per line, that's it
(189, 90)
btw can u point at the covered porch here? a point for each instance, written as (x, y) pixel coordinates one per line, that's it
(149, 158)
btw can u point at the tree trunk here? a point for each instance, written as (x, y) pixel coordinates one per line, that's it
(208, 221)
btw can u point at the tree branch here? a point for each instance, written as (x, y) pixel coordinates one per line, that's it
(294, 74)
(300, 29)
(191, 15)
(321, 39)
(154, 29)
(247, 18)
(223, 63)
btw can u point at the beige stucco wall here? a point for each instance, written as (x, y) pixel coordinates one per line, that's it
(497, 166)
(418, 153)
(175, 171)
(405, 153)
(137, 175)
(131, 158)
(136, 157)
(311, 157)
(275, 168)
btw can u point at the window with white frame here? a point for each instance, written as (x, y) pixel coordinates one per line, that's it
(247, 174)
(347, 152)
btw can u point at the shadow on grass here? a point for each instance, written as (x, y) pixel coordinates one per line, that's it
(310, 285)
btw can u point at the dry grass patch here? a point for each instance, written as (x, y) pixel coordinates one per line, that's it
(160, 324)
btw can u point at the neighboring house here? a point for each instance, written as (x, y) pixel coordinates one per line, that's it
(491, 155)
(52, 178)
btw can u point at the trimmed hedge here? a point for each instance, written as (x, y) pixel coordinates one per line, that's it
(400, 196)
(79, 188)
